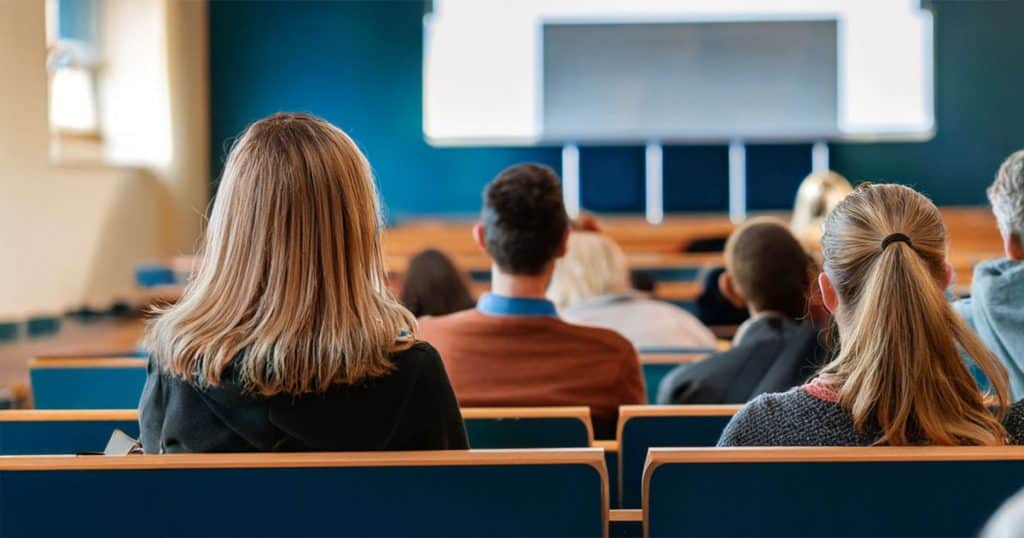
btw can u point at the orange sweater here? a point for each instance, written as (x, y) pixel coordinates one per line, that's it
(536, 361)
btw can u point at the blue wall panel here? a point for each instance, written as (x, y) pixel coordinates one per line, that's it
(612, 169)
(774, 173)
(696, 178)
(360, 64)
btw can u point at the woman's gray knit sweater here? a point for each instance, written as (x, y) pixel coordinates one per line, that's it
(797, 418)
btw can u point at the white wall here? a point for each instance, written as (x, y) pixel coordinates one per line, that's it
(71, 236)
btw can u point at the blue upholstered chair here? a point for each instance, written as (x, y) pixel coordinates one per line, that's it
(877, 491)
(33, 432)
(87, 382)
(642, 427)
(442, 493)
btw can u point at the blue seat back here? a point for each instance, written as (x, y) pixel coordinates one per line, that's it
(61, 432)
(69, 432)
(554, 427)
(653, 374)
(657, 363)
(644, 427)
(495, 493)
(829, 491)
(87, 383)
(154, 275)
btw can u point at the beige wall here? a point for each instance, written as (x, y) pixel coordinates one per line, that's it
(71, 236)
(188, 173)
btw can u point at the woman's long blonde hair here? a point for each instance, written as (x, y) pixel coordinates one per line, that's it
(899, 368)
(593, 265)
(291, 284)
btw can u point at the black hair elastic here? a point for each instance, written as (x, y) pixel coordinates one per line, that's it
(893, 238)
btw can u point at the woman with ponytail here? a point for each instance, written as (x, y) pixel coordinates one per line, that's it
(898, 377)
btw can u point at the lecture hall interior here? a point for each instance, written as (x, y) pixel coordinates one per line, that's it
(648, 268)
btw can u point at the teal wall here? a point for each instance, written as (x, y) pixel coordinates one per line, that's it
(359, 65)
(979, 107)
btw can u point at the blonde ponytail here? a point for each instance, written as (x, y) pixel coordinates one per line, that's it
(899, 370)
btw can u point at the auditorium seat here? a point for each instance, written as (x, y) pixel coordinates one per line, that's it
(539, 427)
(443, 493)
(33, 432)
(87, 382)
(657, 363)
(72, 430)
(644, 426)
(528, 427)
(875, 491)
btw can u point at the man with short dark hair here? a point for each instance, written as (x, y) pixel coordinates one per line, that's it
(512, 350)
(768, 272)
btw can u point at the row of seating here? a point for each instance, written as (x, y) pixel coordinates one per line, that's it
(920, 491)
(116, 382)
(43, 432)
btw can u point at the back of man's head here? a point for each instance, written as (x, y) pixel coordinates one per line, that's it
(524, 218)
(769, 267)
(1007, 197)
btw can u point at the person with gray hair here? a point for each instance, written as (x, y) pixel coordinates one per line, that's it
(995, 309)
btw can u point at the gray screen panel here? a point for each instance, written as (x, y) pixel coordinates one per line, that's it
(690, 81)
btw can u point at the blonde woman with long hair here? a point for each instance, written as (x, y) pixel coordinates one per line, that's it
(590, 286)
(819, 193)
(898, 377)
(287, 338)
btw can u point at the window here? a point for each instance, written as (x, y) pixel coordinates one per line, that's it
(72, 64)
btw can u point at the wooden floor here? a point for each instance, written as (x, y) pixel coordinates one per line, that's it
(973, 238)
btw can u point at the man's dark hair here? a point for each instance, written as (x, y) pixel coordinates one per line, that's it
(770, 267)
(524, 218)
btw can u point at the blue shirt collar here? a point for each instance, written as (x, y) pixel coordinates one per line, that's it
(500, 305)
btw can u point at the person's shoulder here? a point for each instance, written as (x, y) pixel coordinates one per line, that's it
(1014, 423)
(718, 364)
(994, 273)
(454, 317)
(419, 355)
(702, 381)
(777, 403)
(997, 266)
(442, 325)
(965, 308)
(599, 338)
(418, 359)
(648, 306)
(765, 420)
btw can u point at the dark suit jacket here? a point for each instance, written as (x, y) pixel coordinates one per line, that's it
(773, 355)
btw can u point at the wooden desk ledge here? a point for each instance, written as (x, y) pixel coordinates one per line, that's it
(608, 445)
(87, 362)
(585, 456)
(625, 514)
(693, 410)
(582, 412)
(67, 415)
(672, 358)
(659, 456)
